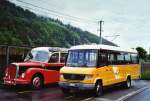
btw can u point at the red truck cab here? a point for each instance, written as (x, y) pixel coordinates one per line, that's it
(41, 66)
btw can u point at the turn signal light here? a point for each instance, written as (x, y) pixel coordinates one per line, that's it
(88, 77)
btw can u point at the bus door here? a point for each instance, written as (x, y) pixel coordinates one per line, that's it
(113, 67)
(56, 61)
(53, 67)
(104, 69)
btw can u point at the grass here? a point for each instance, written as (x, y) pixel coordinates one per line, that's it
(145, 75)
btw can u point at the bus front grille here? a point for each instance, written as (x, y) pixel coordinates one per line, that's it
(10, 72)
(74, 76)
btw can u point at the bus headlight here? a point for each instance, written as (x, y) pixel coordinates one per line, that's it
(61, 75)
(88, 77)
(22, 75)
(6, 74)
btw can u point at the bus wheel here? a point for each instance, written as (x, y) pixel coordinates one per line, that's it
(65, 90)
(98, 89)
(37, 82)
(127, 83)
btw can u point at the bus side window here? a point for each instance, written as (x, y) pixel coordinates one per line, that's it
(112, 58)
(103, 58)
(120, 58)
(134, 58)
(63, 57)
(127, 58)
(54, 58)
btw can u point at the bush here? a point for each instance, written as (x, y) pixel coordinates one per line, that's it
(145, 75)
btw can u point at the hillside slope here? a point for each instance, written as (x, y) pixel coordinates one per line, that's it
(22, 27)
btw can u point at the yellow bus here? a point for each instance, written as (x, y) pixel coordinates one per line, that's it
(93, 67)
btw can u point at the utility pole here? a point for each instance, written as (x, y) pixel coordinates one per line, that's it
(100, 31)
(113, 36)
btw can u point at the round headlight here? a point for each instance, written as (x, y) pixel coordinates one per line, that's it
(6, 73)
(22, 75)
(61, 75)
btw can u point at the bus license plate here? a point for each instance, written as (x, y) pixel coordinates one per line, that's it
(72, 84)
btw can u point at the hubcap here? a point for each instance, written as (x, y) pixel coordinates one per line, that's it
(98, 89)
(36, 82)
(128, 83)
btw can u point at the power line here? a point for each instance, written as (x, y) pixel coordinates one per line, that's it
(74, 21)
(44, 11)
(85, 19)
(55, 12)
(113, 36)
(26, 7)
(52, 12)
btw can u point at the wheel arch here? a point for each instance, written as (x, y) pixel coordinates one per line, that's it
(128, 76)
(38, 74)
(98, 80)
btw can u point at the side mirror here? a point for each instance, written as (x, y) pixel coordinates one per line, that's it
(30, 55)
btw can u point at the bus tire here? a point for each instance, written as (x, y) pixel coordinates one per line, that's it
(98, 90)
(127, 83)
(37, 82)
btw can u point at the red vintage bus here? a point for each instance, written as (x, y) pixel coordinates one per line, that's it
(41, 66)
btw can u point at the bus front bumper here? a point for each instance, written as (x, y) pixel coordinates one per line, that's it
(79, 86)
(15, 81)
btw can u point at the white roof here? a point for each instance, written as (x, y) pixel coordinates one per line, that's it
(107, 47)
(48, 49)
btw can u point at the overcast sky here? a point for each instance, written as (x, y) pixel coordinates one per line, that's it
(127, 18)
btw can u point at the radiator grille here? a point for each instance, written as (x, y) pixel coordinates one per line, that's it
(74, 76)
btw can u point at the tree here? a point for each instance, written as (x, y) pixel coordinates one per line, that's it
(22, 27)
(142, 53)
(148, 56)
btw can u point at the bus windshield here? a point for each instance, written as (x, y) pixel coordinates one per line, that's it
(37, 55)
(82, 58)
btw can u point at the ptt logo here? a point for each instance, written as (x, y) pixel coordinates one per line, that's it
(116, 72)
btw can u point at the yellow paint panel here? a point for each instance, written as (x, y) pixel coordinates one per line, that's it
(77, 70)
(108, 74)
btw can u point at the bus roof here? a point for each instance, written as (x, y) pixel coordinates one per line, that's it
(51, 49)
(105, 47)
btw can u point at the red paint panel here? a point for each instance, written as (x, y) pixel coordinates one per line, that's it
(50, 72)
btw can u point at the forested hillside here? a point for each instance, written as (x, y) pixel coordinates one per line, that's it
(22, 27)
